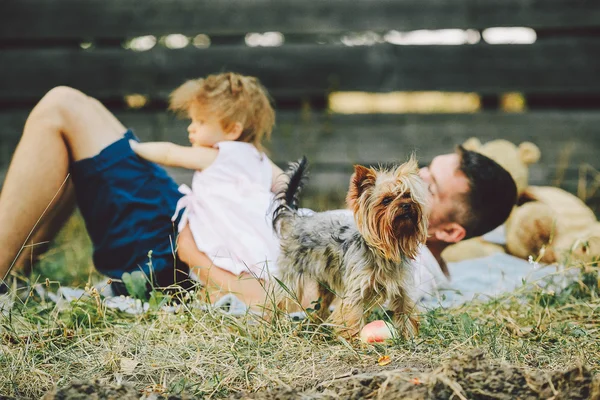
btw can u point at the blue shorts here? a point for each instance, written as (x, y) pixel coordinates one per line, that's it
(127, 204)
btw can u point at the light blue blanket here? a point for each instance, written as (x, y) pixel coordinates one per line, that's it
(488, 277)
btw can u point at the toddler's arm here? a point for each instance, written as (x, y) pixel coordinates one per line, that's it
(172, 155)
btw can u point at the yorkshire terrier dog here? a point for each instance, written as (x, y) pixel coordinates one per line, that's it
(360, 255)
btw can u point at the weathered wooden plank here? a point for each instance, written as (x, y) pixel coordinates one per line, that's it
(557, 66)
(334, 142)
(49, 19)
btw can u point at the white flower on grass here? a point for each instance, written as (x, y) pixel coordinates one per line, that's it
(533, 262)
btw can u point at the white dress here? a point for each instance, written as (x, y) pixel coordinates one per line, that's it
(228, 210)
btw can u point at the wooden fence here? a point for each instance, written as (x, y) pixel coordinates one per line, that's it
(44, 43)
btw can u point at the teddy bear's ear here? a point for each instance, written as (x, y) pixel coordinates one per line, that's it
(529, 153)
(472, 144)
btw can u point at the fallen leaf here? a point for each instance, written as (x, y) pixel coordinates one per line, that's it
(155, 388)
(128, 366)
(384, 360)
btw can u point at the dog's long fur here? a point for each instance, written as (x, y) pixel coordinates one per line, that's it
(360, 255)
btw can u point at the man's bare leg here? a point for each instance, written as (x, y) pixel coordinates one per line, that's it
(65, 126)
(47, 228)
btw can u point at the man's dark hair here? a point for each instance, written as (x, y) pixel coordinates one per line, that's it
(492, 194)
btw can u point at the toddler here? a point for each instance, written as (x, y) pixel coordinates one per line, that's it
(232, 187)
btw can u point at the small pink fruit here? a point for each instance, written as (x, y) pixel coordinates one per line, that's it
(377, 331)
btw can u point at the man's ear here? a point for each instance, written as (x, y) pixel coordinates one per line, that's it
(450, 232)
(235, 132)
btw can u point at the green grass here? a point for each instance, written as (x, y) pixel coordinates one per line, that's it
(69, 260)
(212, 354)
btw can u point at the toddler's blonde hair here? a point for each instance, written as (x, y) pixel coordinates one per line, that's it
(231, 98)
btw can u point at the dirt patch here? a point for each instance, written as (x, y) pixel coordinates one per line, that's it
(470, 376)
(467, 377)
(93, 390)
(96, 390)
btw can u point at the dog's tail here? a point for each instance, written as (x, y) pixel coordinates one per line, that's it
(286, 199)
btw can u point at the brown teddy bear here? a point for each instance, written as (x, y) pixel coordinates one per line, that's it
(516, 160)
(553, 226)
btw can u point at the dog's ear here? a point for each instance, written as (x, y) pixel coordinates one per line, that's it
(361, 179)
(409, 167)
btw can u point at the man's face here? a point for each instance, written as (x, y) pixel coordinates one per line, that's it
(446, 185)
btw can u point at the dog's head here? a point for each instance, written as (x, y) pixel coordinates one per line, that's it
(390, 208)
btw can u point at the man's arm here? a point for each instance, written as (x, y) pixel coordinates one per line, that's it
(172, 155)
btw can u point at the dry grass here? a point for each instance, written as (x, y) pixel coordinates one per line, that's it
(213, 354)
(205, 353)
